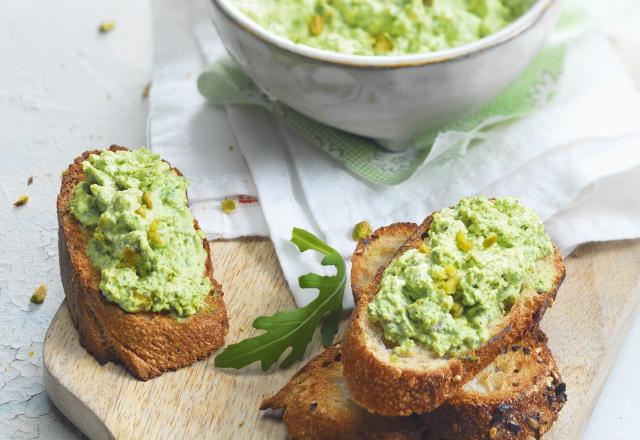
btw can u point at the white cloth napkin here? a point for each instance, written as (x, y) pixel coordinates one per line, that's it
(193, 136)
(576, 160)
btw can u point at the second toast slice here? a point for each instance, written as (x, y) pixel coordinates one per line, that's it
(419, 383)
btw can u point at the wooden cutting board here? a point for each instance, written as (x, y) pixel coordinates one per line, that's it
(593, 312)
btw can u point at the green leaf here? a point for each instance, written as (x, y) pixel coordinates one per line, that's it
(295, 328)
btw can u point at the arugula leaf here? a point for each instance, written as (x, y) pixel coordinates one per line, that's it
(295, 328)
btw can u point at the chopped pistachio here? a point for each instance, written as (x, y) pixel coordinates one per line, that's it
(394, 358)
(143, 300)
(228, 206)
(141, 211)
(146, 90)
(153, 234)
(450, 270)
(463, 243)
(438, 273)
(146, 199)
(423, 248)
(361, 230)
(451, 285)
(103, 221)
(99, 236)
(32, 354)
(316, 25)
(106, 26)
(129, 257)
(22, 200)
(490, 241)
(383, 43)
(39, 294)
(456, 310)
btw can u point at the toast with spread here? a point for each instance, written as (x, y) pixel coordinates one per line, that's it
(390, 378)
(125, 261)
(518, 396)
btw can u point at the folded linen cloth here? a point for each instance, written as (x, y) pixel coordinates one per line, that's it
(568, 159)
(191, 135)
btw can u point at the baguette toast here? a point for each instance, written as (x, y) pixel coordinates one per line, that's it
(147, 344)
(421, 382)
(516, 397)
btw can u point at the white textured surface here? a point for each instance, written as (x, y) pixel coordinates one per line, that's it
(64, 88)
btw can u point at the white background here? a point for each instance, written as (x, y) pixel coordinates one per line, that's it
(65, 88)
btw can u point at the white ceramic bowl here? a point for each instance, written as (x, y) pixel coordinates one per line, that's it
(392, 99)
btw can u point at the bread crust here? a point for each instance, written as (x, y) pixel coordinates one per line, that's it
(147, 344)
(385, 388)
(374, 252)
(316, 403)
(527, 410)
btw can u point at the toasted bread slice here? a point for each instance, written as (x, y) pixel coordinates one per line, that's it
(147, 344)
(518, 396)
(421, 382)
(374, 252)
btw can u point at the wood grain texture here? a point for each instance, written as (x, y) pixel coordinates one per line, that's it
(586, 326)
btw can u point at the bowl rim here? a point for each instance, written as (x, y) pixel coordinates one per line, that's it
(509, 32)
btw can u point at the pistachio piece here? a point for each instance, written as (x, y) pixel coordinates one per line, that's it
(361, 230)
(423, 248)
(22, 200)
(383, 43)
(153, 234)
(316, 25)
(129, 257)
(228, 206)
(456, 310)
(463, 243)
(490, 241)
(146, 199)
(39, 294)
(106, 26)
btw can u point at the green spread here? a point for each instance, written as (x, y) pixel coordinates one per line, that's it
(142, 237)
(469, 271)
(384, 27)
